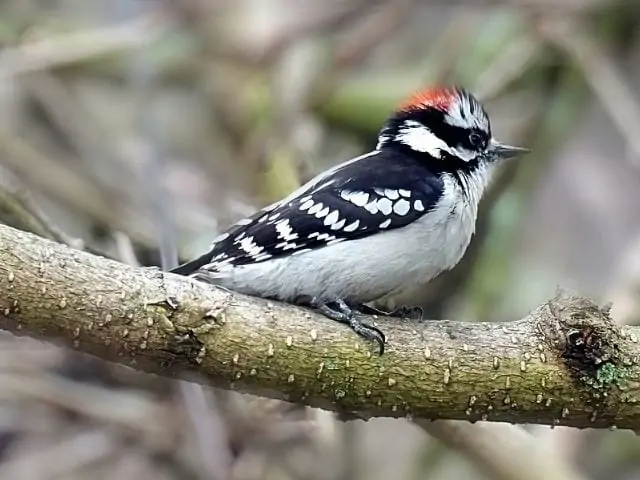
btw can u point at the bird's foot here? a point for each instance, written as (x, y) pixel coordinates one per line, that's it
(405, 311)
(339, 311)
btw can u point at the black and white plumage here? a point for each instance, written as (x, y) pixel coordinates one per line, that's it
(374, 226)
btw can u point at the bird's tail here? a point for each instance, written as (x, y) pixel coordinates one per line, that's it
(193, 265)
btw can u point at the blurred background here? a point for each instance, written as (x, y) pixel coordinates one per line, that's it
(126, 125)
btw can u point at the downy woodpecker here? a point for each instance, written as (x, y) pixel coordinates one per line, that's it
(373, 226)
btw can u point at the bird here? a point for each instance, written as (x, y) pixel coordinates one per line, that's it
(371, 227)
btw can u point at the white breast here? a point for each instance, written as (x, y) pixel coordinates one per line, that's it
(378, 266)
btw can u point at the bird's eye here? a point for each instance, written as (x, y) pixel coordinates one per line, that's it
(476, 140)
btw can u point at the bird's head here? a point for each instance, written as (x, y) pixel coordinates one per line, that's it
(446, 127)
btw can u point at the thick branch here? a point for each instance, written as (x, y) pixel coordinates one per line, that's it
(564, 364)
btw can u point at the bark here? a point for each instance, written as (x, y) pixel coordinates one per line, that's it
(566, 363)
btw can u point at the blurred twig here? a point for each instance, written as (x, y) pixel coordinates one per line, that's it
(601, 73)
(63, 458)
(561, 6)
(380, 26)
(15, 212)
(507, 67)
(126, 251)
(117, 408)
(23, 199)
(209, 429)
(85, 134)
(46, 175)
(61, 50)
(334, 16)
(625, 290)
(505, 452)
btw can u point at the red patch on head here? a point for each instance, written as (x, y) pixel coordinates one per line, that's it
(436, 97)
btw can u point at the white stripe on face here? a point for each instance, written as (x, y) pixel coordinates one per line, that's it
(419, 138)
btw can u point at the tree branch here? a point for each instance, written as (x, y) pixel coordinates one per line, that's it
(566, 363)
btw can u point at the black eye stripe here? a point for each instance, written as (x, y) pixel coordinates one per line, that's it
(454, 136)
(435, 121)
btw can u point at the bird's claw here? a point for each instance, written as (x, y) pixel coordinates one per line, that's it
(405, 311)
(345, 314)
(368, 331)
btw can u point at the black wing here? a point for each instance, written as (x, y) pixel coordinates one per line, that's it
(356, 199)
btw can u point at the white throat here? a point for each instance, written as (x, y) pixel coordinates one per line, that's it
(473, 183)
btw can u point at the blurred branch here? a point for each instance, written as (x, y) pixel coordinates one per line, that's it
(625, 291)
(65, 458)
(508, 67)
(505, 452)
(558, 5)
(76, 47)
(331, 17)
(45, 175)
(381, 25)
(603, 75)
(566, 363)
(16, 213)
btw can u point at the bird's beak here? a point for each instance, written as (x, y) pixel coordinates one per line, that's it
(501, 150)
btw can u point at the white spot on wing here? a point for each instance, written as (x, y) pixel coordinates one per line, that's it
(401, 207)
(359, 198)
(386, 223)
(287, 246)
(418, 205)
(322, 212)
(248, 245)
(372, 207)
(332, 218)
(392, 194)
(385, 206)
(325, 236)
(262, 256)
(339, 225)
(405, 193)
(352, 226)
(320, 181)
(244, 221)
(306, 205)
(315, 209)
(285, 231)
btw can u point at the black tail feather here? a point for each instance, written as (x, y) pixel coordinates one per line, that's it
(192, 266)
